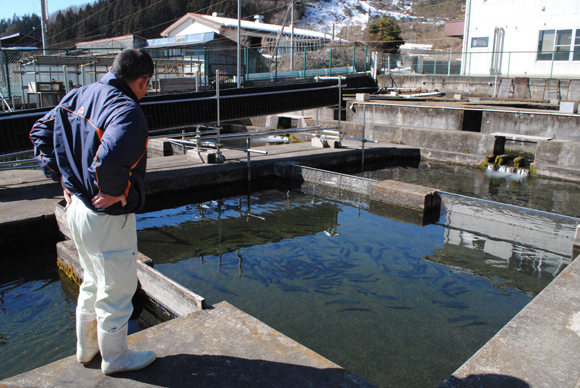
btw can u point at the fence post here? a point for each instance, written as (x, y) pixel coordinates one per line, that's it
(366, 56)
(330, 62)
(353, 58)
(246, 62)
(304, 70)
(276, 63)
(448, 61)
(435, 65)
(65, 78)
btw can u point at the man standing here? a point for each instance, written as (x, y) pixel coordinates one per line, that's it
(95, 143)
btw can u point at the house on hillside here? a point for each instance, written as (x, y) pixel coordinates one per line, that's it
(253, 33)
(522, 38)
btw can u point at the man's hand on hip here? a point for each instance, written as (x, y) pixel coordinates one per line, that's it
(66, 192)
(102, 201)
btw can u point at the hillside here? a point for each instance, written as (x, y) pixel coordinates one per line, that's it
(421, 21)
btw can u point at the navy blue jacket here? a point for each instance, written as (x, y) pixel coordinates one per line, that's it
(96, 139)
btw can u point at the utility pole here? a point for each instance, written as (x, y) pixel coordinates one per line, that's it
(292, 37)
(43, 24)
(239, 73)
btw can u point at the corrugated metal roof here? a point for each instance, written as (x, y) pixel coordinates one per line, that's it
(186, 40)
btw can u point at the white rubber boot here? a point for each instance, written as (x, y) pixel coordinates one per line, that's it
(87, 343)
(117, 357)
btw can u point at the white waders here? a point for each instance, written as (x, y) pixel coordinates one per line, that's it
(107, 248)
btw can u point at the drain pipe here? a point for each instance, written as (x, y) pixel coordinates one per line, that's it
(363, 140)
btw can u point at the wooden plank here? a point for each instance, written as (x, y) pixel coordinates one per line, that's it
(160, 288)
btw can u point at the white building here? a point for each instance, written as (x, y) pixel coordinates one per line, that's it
(254, 33)
(522, 38)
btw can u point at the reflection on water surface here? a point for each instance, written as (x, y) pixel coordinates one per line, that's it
(395, 303)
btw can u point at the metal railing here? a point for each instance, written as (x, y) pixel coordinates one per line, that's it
(212, 139)
(484, 63)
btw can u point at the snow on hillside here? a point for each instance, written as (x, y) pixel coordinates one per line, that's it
(322, 15)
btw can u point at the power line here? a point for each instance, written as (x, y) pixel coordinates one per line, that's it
(90, 16)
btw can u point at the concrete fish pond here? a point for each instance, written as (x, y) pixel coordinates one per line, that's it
(533, 192)
(374, 289)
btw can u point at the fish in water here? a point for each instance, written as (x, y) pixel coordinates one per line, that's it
(342, 301)
(399, 307)
(452, 304)
(328, 293)
(475, 323)
(462, 318)
(354, 309)
(366, 292)
(292, 288)
(223, 289)
(385, 297)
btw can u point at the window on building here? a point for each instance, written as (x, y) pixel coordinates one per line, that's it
(557, 45)
(480, 42)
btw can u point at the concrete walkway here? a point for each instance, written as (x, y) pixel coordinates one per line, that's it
(218, 347)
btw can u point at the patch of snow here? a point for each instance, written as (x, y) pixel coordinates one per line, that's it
(326, 13)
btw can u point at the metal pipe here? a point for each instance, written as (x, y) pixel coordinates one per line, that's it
(15, 167)
(16, 153)
(248, 157)
(65, 79)
(239, 45)
(363, 136)
(474, 108)
(17, 161)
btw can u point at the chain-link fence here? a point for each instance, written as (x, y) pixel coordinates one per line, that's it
(298, 61)
(36, 78)
(505, 64)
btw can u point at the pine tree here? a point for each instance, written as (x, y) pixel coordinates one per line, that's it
(385, 35)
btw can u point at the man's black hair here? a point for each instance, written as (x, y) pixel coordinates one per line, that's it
(131, 64)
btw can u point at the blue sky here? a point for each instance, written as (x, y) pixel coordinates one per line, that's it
(22, 7)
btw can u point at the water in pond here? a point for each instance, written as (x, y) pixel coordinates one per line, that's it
(396, 303)
(37, 311)
(36, 314)
(530, 192)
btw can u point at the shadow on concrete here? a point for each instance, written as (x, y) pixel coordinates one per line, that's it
(206, 371)
(485, 381)
(44, 190)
